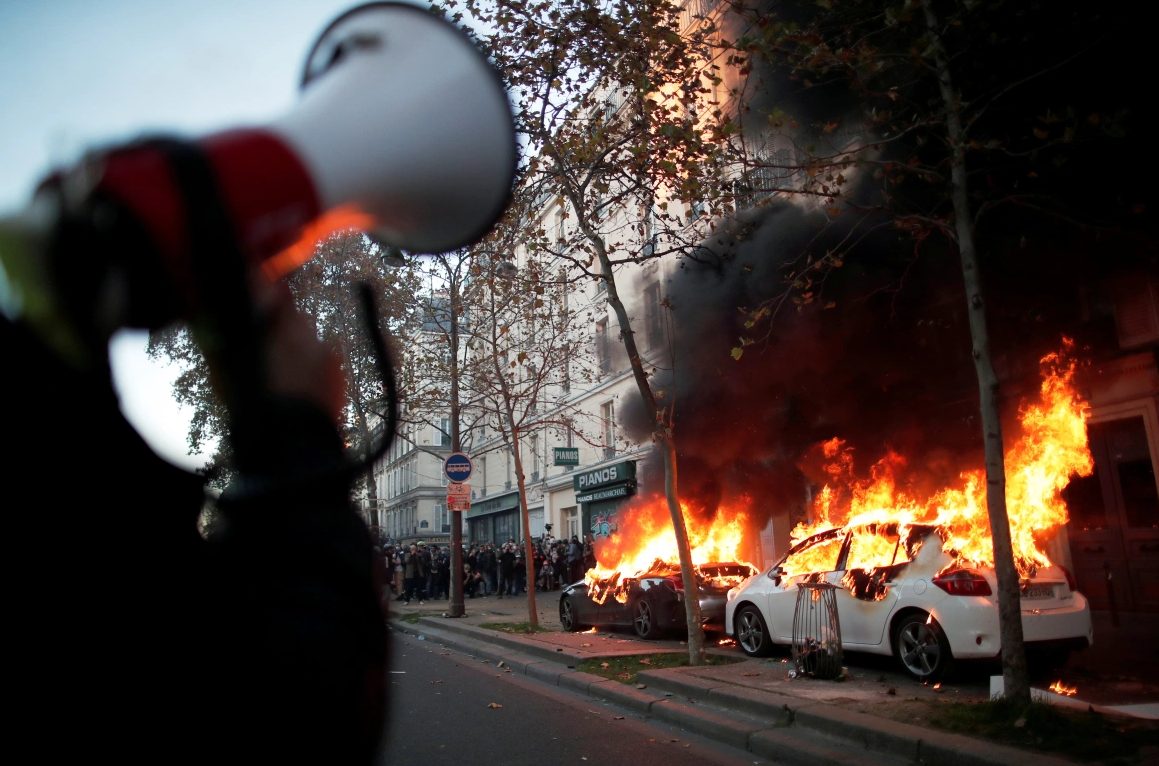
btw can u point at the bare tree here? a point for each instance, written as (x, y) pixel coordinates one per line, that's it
(611, 102)
(527, 348)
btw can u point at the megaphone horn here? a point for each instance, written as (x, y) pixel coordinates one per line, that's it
(402, 129)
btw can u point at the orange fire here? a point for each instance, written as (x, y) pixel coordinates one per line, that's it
(645, 537)
(1050, 449)
(1058, 687)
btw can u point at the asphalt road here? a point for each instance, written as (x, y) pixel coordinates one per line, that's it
(448, 708)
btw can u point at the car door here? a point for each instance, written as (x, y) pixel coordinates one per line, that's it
(810, 561)
(865, 596)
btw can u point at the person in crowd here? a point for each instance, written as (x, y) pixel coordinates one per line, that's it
(399, 573)
(415, 574)
(506, 570)
(441, 565)
(589, 553)
(520, 570)
(575, 559)
(559, 564)
(487, 566)
(472, 581)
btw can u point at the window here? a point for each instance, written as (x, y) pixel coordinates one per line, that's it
(533, 443)
(603, 353)
(445, 432)
(653, 320)
(608, 416)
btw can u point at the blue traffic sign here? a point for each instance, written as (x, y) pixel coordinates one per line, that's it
(457, 466)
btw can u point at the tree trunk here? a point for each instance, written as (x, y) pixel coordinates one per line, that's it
(525, 522)
(1015, 675)
(662, 437)
(692, 615)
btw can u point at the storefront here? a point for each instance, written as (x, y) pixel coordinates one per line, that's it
(494, 520)
(601, 492)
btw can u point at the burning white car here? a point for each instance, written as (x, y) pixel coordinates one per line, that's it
(903, 590)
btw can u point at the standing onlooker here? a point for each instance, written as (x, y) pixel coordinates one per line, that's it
(488, 565)
(415, 574)
(507, 570)
(399, 560)
(441, 565)
(575, 559)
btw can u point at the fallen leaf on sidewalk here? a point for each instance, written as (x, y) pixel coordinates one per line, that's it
(617, 718)
(645, 661)
(494, 705)
(605, 665)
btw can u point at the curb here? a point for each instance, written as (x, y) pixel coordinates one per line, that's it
(779, 727)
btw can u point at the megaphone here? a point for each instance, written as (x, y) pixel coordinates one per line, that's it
(402, 129)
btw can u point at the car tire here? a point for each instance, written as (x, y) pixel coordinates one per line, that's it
(920, 645)
(567, 616)
(752, 632)
(644, 620)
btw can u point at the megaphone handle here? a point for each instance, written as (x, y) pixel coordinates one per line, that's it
(233, 335)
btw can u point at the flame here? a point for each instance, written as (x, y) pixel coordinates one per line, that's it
(1058, 687)
(1050, 449)
(338, 219)
(645, 541)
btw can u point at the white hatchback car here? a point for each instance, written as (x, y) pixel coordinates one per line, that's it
(920, 606)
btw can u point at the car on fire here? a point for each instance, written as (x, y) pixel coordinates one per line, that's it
(902, 590)
(651, 602)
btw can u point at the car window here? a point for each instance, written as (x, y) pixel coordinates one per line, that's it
(819, 555)
(873, 546)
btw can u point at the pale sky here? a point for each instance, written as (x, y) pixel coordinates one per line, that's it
(76, 75)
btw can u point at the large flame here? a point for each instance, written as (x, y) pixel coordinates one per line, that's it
(644, 541)
(1050, 449)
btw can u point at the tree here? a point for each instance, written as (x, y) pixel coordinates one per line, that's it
(325, 288)
(611, 106)
(969, 127)
(524, 342)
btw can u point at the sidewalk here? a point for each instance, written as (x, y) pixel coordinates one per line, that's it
(874, 716)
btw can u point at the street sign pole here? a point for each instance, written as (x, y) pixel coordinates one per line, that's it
(457, 468)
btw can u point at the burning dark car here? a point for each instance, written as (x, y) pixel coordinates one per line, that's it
(652, 602)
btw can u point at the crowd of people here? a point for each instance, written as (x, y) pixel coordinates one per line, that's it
(422, 572)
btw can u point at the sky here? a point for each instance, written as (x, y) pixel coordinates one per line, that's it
(76, 76)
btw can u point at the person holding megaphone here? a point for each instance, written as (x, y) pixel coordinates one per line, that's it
(131, 637)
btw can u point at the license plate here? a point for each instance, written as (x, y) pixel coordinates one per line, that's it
(1038, 591)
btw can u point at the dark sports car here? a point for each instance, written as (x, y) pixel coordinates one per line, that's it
(652, 603)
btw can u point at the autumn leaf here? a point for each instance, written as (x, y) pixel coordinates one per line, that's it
(494, 705)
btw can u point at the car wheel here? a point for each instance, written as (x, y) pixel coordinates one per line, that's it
(567, 616)
(921, 647)
(752, 633)
(644, 620)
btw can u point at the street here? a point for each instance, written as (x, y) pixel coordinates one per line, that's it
(449, 708)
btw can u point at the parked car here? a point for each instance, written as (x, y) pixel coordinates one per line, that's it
(651, 603)
(917, 603)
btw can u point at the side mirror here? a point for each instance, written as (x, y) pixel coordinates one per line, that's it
(775, 574)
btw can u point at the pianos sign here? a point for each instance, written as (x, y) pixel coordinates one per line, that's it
(566, 455)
